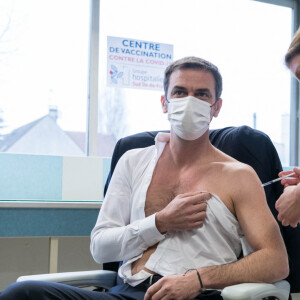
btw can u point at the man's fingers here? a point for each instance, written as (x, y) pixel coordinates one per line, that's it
(148, 295)
(189, 194)
(196, 225)
(198, 198)
(196, 194)
(196, 211)
(166, 297)
(159, 295)
(162, 290)
(152, 290)
(199, 216)
(199, 207)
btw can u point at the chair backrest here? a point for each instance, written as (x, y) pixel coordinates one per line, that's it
(249, 146)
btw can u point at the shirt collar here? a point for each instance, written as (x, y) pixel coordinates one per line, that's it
(161, 139)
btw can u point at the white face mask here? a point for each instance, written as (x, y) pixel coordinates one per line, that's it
(189, 117)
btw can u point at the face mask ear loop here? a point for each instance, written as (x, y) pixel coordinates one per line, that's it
(213, 104)
(167, 100)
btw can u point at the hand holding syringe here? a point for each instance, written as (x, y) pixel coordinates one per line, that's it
(278, 179)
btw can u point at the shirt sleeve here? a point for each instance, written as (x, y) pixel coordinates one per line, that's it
(114, 237)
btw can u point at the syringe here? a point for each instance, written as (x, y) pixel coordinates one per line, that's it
(278, 179)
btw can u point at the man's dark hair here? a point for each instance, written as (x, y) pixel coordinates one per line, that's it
(192, 62)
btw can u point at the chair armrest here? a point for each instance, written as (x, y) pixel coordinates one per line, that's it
(254, 291)
(98, 278)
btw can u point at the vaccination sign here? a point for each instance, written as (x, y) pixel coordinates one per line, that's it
(137, 64)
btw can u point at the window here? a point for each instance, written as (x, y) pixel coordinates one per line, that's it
(44, 73)
(44, 54)
(246, 39)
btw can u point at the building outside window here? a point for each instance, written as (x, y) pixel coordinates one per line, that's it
(44, 74)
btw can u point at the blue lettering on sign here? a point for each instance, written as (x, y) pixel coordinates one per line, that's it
(141, 45)
(144, 53)
(116, 50)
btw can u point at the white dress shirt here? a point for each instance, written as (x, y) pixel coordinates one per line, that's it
(123, 233)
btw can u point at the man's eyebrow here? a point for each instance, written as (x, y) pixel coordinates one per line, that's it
(178, 87)
(205, 90)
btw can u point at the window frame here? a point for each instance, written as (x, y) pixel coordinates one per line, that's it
(295, 92)
(294, 100)
(92, 119)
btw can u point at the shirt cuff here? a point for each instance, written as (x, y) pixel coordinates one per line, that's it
(149, 232)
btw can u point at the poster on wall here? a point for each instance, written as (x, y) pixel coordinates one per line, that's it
(137, 64)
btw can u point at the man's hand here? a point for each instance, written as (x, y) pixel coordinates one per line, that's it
(288, 182)
(185, 212)
(288, 206)
(177, 287)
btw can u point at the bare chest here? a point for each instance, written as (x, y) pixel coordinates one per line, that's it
(167, 183)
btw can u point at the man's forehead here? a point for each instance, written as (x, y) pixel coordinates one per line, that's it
(196, 78)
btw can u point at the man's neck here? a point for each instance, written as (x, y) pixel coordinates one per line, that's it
(187, 153)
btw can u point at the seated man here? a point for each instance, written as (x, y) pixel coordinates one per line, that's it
(179, 213)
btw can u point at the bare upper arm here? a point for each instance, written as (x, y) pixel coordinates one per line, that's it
(252, 211)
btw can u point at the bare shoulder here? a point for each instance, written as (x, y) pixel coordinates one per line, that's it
(246, 197)
(238, 183)
(241, 177)
(237, 170)
(241, 181)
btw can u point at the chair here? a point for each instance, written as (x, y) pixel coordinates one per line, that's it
(246, 145)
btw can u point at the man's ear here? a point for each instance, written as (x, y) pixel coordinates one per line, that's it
(164, 104)
(217, 108)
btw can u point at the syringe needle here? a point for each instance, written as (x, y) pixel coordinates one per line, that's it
(278, 179)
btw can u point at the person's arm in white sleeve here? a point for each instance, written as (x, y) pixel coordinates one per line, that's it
(114, 238)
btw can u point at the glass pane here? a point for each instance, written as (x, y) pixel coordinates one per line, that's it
(245, 39)
(44, 71)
